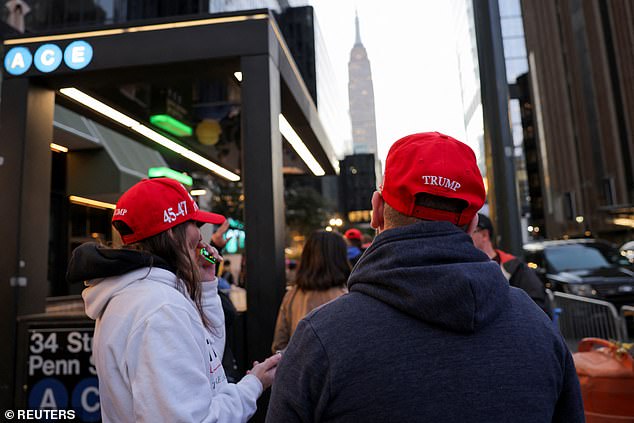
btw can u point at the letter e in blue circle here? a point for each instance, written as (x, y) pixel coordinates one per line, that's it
(48, 394)
(18, 60)
(85, 400)
(78, 55)
(48, 57)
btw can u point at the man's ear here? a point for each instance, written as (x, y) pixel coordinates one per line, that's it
(473, 224)
(378, 207)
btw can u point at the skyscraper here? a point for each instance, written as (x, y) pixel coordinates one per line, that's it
(361, 97)
(580, 56)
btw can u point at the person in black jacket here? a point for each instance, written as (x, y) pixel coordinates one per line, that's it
(430, 331)
(516, 271)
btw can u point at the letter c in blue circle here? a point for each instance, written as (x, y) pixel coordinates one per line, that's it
(48, 57)
(78, 55)
(85, 400)
(18, 60)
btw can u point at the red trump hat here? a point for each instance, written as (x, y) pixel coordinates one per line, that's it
(435, 164)
(352, 234)
(156, 205)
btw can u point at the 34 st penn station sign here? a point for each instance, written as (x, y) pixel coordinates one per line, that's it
(48, 57)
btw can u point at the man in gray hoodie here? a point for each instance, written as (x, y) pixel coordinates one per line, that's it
(431, 331)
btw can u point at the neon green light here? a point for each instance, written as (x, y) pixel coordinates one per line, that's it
(171, 125)
(166, 172)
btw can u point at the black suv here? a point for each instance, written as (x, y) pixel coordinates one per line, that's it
(587, 267)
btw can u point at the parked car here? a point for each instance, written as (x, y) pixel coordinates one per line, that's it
(587, 267)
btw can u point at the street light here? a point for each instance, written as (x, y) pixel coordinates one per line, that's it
(335, 221)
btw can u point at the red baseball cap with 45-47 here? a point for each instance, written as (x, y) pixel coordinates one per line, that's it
(434, 164)
(156, 205)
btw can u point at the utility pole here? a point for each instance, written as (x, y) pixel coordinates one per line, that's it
(497, 128)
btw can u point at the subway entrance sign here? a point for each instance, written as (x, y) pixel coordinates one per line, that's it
(58, 373)
(47, 57)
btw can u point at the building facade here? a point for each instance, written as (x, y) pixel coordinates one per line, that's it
(467, 55)
(516, 64)
(571, 111)
(581, 71)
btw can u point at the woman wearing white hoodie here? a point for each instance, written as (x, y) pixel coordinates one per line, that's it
(159, 331)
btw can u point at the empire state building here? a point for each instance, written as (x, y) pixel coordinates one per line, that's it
(361, 98)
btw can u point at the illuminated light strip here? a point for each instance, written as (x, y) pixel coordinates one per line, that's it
(91, 203)
(144, 28)
(623, 221)
(98, 106)
(197, 192)
(58, 148)
(179, 149)
(300, 148)
(127, 121)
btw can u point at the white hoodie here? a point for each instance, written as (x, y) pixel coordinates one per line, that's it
(155, 360)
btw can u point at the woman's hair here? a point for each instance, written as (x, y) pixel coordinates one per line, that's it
(171, 246)
(324, 263)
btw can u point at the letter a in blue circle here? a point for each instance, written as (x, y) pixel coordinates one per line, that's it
(49, 393)
(78, 55)
(18, 60)
(48, 57)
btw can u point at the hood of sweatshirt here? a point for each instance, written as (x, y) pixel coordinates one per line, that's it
(92, 261)
(433, 272)
(107, 271)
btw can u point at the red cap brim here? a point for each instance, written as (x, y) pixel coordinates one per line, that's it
(207, 217)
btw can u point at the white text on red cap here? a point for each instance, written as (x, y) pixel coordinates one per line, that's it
(440, 181)
(170, 216)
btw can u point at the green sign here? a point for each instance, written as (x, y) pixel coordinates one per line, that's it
(171, 125)
(166, 172)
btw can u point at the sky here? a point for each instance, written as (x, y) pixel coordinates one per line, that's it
(411, 50)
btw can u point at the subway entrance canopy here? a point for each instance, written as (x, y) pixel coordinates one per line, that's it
(102, 75)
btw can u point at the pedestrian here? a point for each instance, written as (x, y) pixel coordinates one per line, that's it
(514, 269)
(226, 273)
(353, 239)
(431, 331)
(159, 331)
(321, 277)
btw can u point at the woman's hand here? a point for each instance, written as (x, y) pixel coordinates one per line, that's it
(206, 268)
(265, 371)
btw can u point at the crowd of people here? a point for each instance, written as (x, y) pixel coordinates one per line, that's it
(427, 322)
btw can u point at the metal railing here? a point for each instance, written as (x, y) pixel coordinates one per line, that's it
(579, 317)
(627, 315)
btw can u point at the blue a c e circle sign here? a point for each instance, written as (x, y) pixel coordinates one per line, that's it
(18, 60)
(48, 57)
(78, 54)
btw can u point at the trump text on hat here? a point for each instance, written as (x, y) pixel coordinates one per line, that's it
(441, 182)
